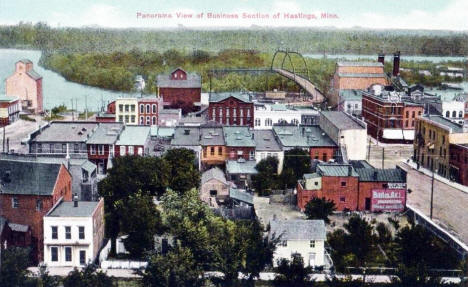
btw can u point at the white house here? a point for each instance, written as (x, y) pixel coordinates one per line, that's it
(266, 115)
(73, 233)
(451, 105)
(304, 237)
(266, 145)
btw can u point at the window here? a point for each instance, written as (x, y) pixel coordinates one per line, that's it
(54, 232)
(121, 119)
(343, 183)
(460, 114)
(407, 114)
(220, 150)
(153, 120)
(54, 254)
(284, 243)
(212, 150)
(316, 183)
(81, 234)
(76, 148)
(406, 123)
(39, 148)
(140, 151)
(312, 244)
(127, 119)
(413, 114)
(227, 112)
(131, 150)
(82, 257)
(257, 122)
(122, 150)
(213, 113)
(39, 204)
(68, 254)
(64, 148)
(324, 156)
(268, 122)
(51, 148)
(234, 112)
(342, 199)
(101, 149)
(148, 122)
(147, 109)
(248, 113)
(241, 112)
(67, 232)
(154, 108)
(142, 108)
(220, 112)
(133, 118)
(252, 155)
(142, 120)
(127, 108)
(120, 108)
(213, 192)
(15, 202)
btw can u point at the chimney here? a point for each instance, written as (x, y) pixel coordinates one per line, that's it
(396, 64)
(75, 200)
(381, 58)
(253, 136)
(350, 170)
(375, 174)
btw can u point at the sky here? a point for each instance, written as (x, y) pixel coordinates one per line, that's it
(380, 14)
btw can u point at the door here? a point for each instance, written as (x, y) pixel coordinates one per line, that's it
(368, 203)
(312, 259)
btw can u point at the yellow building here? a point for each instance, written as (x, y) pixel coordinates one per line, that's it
(433, 136)
(126, 111)
(214, 150)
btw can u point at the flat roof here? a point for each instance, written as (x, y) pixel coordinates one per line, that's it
(302, 136)
(62, 131)
(342, 120)
(239, 136)
(212, 136)
(298, 229)
(134, 135)
(241, 166)
(67, 209)
(444, 123)
(186, 136)
(106, 133)
(265, 140)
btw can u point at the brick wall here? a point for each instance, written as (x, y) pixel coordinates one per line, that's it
(322, 153)
(220, 112)
(180, 97)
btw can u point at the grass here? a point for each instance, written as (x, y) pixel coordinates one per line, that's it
(27, 118)
(81, 116)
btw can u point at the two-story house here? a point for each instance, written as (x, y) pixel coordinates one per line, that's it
(73, 233)
(213, 146)
(133, 140)
(299, 236)
(28, 191)
(126, 111)
(100, 145)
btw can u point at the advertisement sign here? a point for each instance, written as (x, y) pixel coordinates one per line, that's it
(389, 200)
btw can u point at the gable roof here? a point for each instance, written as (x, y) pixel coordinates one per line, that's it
(186, 136)
(265, 141)
(333, 169)
(359, 64)
(342, 120)
(219, 97)
(28, 177)
(106, 133)
(134, 135)
(33, 74)
(213, 173)
(165, 81)
(381, 175)
(298, 229)
(62, 131)
(241, 195)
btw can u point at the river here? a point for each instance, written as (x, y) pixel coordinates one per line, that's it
(388, 58)
(57, 90)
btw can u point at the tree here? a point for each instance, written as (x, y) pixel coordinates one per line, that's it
(15, 261)
(360, 238)
(292, 272)
(178, 268)
(266, 178)
(319, 208)
(45, 280)
(296, 164)
(184, 174)
(88, 276)
(141, 222)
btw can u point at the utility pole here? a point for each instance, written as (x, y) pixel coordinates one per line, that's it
(383, 157)
(368, 150)
(86, 107)
(432, 193)
(3, 139)
(73, 116)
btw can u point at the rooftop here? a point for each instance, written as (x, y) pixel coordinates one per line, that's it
(193, 81)
(363, 75)
(28, 177)
(333, 169)
(342, 120)
(241, 195)
(213, 173)
(298, 229)
(239, 136)
(351, 94)
(106, 133)
(33, 74)
(163, 132)
(302, 136)
(218, 97)
(62, 131)
(5, 98)
(67, 209)
(212, 136)
(241, 166)
(134, 135)
(265, 141)
(444, 123)
(186, 136)
(381, 175)
(359, 64)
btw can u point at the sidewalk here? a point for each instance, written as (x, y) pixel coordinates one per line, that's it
(437, 177)
(63, 272)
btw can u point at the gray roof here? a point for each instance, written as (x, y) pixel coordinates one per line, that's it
(351, 94)
(265, 141)
(82, 162)
(27, 177)
(241, 195)
(18, 227)
(212, 136)
(77, 131)
(342, 120)
(360, 164)
(134, 135)
(186, 136)
(359, 64)
(218, 97)
(241, 166)
(332, 169)
(105, 115)
(298, 229)
(88, 166)
(193, 81)
(33, 74)
(213, 173)
(302, 136)
(106, 133)
(25, 61)
(162, 132)
(67, 209)
(444, 123)
(238, 136)
(381, 175)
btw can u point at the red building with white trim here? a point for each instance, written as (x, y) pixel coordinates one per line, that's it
(231, 109)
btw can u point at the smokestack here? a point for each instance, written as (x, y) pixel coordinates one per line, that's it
(396, 64)
(350, 170)
(75, 200)
(381, 58)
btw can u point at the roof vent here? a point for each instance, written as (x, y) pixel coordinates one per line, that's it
(6, 177)
(83, 129)
(186, 132)
(80, 133)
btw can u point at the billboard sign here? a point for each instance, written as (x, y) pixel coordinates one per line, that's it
(388, 200)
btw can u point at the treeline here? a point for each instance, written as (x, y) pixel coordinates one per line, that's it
(306, 40)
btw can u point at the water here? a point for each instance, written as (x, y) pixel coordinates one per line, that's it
(388, 58)
(56, 90)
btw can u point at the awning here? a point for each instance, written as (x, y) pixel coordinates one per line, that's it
(398, 134)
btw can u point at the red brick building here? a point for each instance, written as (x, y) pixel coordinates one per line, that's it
(390, 116)
(133, 140)
(29, 191)
(239, 143)
(459, 163)
(148, 111)
(10, 108)
(180, 89)
(355, 186)
(100, 145)
(231, 109)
